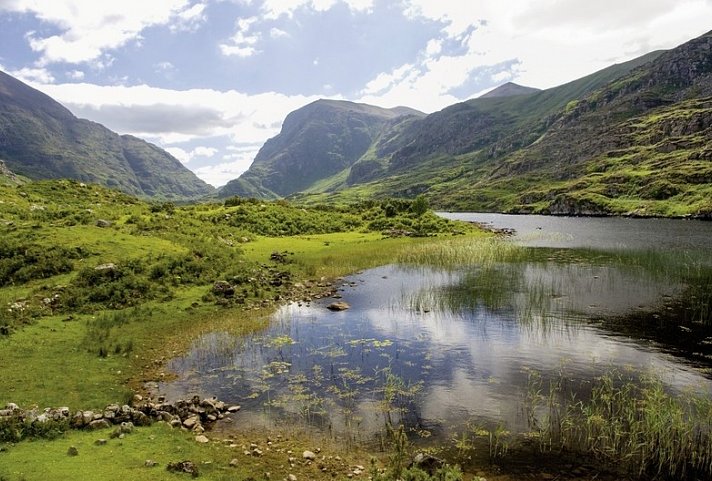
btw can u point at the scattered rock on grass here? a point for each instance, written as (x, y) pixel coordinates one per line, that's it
(72, 451)
(187, 467)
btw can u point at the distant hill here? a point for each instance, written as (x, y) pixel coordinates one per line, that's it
(509, 89)
(316, 141)
(40, 139)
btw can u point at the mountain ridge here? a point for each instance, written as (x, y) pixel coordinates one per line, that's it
(41, 139)
(634, 138)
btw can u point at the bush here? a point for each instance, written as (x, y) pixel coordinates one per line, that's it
(21, 262)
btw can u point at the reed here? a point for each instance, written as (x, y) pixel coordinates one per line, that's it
(463, 251)
(633, 425)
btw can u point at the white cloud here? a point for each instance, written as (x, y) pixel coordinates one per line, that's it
(277, 33)
(540, 44)
(179, 114)
(220, 174)
(74, 75)
(32, 75)
(89, 28)
(185, 157)
(190, 19)
(242, 43)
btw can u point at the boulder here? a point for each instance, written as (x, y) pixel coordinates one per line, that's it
(103, 223)
(99, 424)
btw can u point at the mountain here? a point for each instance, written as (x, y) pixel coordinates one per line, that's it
(632, 139)
(40, 139)
(509, 89)
(316, 142)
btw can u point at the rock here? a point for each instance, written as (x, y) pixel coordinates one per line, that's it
(257, 452)
(103, 223)
(99, 424)
(191, 422)
(308, 455)
(140, 419)
(150, 463)
(233, 409)
(186, 467)
(72, 451)
(223, 288)
(427, 463)
(12, 406)
(110, 266)
(338, 306)
(100, 442)
(202, 439)
(234, 463)
(291, 477)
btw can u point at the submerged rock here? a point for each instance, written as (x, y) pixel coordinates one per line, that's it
(338, 306)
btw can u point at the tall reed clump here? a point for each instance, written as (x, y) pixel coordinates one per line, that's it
(635, 426)
(466, 251)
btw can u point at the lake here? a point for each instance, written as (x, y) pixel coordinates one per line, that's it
(443, 350)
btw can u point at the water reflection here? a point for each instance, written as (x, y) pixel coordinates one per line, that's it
(429, 347)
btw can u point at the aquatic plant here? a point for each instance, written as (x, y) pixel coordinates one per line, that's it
(633, 425)
(463, 252)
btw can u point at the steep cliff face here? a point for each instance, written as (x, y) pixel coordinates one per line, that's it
(316, 142)
(40, 139)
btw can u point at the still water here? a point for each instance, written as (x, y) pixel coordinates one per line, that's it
(438, 349)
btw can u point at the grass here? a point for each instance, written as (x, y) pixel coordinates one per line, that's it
(126, 458)
(634, 425)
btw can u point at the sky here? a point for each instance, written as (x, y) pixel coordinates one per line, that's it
(211, 80)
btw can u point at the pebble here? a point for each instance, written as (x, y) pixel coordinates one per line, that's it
(308, 455)
(202, 439)
(291, 477)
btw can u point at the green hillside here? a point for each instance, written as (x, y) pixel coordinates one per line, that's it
(40, 139)
(317, 141)
(631, 139)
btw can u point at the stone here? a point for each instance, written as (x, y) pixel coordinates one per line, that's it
(187, 467)
(234, 463)
(291, 477)
(99, 424)
(233, 409)
(202, 439)
(72, 451)
(109, 266)
(338, 306)
(308, 455)
(191, 422)
(100, 442)
(103, 223)
(150, 463)
(428, 463)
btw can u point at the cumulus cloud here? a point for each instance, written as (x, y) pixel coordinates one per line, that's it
(30, 75)
(89, 28)
(186, 156)
(242, 43)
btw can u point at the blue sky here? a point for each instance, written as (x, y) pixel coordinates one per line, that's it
(211, 80)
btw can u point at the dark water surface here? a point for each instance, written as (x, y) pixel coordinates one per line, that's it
(440, 349)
